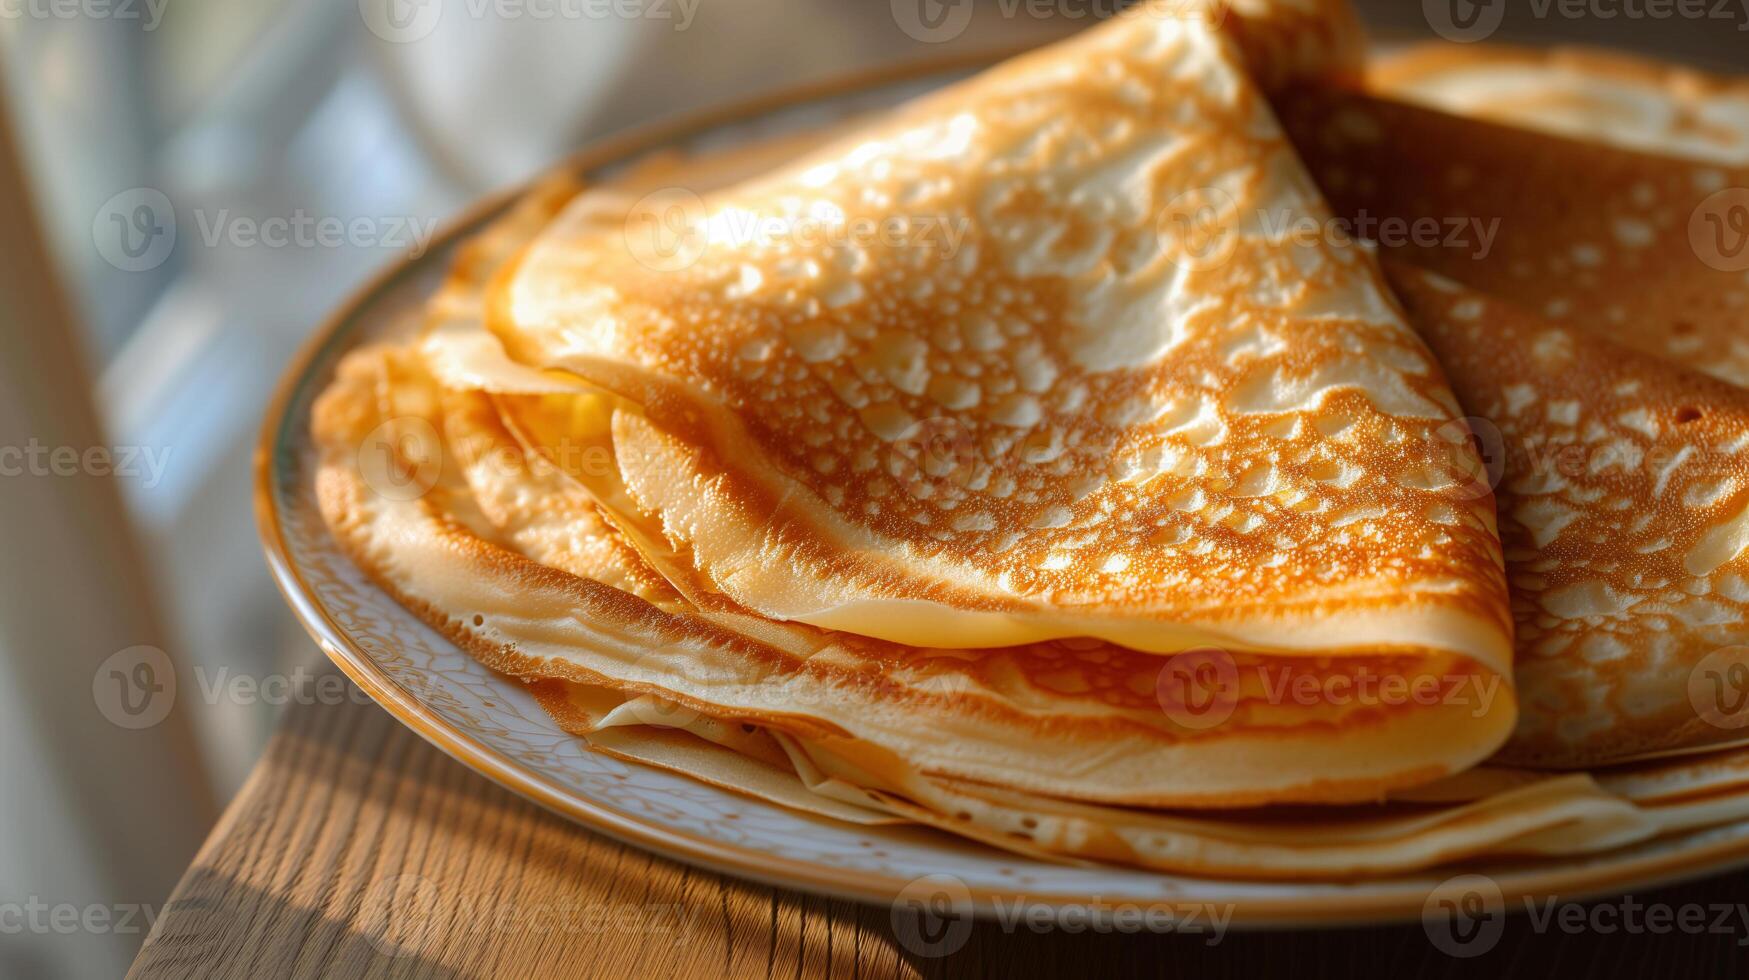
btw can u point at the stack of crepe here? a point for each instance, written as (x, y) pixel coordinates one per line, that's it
(996, 465)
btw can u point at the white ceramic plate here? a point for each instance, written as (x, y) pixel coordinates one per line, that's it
(491, 725)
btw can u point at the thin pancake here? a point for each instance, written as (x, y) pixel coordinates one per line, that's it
(1076, 719)
(1525, 814)
(1624, 509)
(1008, 710)
(1063, 423)
(1651, 250)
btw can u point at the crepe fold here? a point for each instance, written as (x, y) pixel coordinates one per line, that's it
(668, 689)
(1624, 508)
(996, 465)
(1002, 415)
(1604, 290)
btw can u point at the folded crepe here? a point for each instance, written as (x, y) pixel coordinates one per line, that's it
(620, 676)
(1623, 489)
(936, 477)
(1016, 434)
(1624, 211)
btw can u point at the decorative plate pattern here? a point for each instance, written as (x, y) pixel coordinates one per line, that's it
(492, 725)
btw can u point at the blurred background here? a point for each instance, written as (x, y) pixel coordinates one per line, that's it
(189, 187)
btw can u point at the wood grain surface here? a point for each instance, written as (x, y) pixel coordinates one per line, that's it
(356, 849)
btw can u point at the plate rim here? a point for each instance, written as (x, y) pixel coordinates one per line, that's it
(1569, 884)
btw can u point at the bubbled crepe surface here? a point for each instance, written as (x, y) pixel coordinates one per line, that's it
(1065, 424)
(444, 559)
(585, 542)
(1624, 508)
(1077, 718)
(1607, 238)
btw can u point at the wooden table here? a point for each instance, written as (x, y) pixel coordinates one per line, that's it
(356, 849)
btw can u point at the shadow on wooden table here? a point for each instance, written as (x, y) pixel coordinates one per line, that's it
(216, 926)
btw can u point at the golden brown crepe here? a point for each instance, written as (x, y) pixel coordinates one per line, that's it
(437, 552)
(782, 398)
(1624, 508)
(1068, 493)
(1650, 248)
